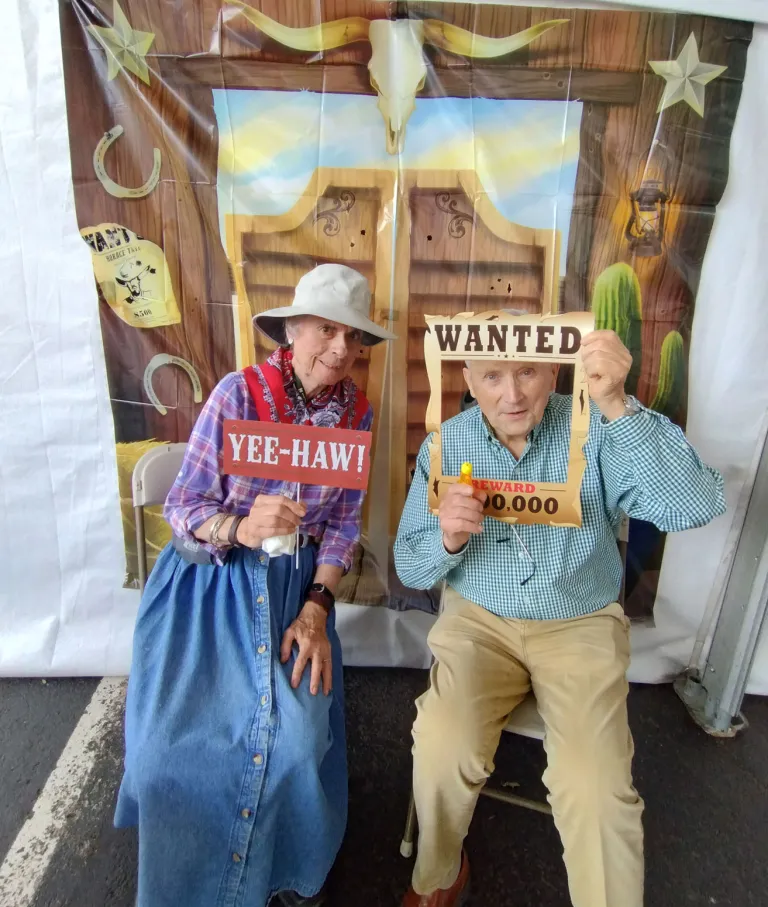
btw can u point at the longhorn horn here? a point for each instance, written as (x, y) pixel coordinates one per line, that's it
(468, 44)
(312, 39)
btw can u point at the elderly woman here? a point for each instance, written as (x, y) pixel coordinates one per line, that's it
(235, 768)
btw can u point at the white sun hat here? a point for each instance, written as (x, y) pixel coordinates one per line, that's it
(330, 291)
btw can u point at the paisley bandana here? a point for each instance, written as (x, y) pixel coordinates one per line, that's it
(279, 396)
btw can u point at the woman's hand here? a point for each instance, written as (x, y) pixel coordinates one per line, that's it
(308, 632)
(270, 515)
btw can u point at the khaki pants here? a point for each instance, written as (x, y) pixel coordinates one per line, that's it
(485, 665)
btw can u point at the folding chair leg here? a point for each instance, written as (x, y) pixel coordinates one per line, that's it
(141, 545)
(406, 845)
(513, 800)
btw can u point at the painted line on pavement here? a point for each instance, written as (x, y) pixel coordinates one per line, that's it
(28, 858)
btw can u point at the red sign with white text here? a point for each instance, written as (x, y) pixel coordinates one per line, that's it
(337, 457)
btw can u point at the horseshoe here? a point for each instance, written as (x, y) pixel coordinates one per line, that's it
(109, 184)
(165, 359)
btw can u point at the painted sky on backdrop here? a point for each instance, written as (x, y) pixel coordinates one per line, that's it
(525, 152)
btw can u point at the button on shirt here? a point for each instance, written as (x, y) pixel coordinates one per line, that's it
(641, 465)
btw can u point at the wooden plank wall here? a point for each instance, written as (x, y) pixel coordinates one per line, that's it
(181, 214)
(623, 142)
(456, 268)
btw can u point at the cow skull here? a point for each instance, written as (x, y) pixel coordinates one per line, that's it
(397, 71)
(397, 68)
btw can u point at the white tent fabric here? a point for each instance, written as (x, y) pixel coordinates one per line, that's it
(62, 608)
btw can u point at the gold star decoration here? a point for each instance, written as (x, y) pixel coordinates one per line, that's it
(685, 77)
(124, 46)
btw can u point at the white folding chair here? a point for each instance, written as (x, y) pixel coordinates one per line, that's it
(153, 477)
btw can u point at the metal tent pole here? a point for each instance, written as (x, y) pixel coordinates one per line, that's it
(714, 693)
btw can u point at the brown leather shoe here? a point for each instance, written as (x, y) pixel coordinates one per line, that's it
(455, 896)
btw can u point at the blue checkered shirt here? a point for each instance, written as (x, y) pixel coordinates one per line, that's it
(640, 465)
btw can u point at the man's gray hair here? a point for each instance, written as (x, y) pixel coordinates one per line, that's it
(506, 312)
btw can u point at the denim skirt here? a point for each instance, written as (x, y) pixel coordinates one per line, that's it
(236, 781)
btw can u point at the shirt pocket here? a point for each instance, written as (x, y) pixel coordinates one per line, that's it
(500, 553)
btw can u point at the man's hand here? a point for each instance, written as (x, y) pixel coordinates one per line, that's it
(461, 515)
(271, 514)
(607, 363)
(309, 633)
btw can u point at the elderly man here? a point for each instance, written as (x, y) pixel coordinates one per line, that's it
(535, 607)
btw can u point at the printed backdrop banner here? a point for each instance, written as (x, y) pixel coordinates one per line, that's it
(463, 157)
(748, 10)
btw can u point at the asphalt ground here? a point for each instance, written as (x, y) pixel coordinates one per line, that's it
(706, 803)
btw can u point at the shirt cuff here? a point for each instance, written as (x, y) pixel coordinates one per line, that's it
(336, 555)
(184, 528)
(632, 431)
(442, 558)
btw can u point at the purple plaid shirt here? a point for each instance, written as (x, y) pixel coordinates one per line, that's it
(201, 491)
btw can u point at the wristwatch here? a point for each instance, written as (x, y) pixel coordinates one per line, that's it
(321, 595)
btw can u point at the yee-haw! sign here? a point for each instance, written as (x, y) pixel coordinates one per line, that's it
(337, 457)
(498, 335)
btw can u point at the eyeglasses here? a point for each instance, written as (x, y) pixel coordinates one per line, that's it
(525, 549)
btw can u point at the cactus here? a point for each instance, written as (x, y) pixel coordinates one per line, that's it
(669, 390)
(616, 304)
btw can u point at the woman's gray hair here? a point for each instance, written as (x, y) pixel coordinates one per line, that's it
(289, 327)
(506, 312)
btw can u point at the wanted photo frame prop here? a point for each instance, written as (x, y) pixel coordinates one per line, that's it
(554, 339)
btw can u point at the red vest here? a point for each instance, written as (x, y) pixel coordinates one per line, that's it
(274, 379)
